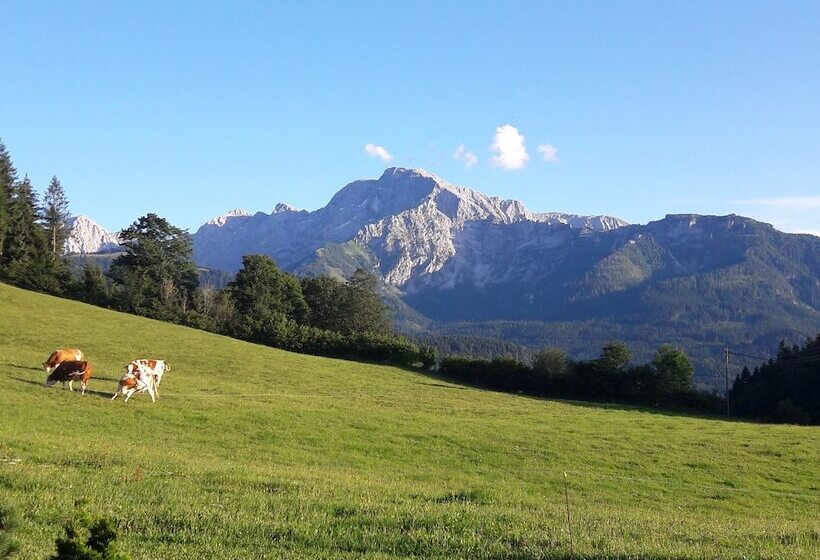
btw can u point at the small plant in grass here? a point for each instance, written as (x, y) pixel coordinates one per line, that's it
(81, 542)
(8, 521)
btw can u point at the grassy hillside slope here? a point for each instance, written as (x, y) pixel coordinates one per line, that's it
(256, 453)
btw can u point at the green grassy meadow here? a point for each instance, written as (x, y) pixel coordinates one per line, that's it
(252, 452)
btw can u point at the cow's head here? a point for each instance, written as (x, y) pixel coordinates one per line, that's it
(51, 380)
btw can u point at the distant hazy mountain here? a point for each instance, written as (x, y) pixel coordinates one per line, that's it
(482, 267)
(598, 223)
(86, 236)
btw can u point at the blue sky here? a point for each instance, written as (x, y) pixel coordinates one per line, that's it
(634, 109)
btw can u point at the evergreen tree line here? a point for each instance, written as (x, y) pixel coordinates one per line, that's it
(156, 277)
(665, 382)
(33, 232)
(473, 346)
(785, 389)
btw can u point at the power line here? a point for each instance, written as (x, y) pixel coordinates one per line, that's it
(748, 355)
(805, 356)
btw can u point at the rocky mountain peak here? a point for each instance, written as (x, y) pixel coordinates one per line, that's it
(400, 190)
(403, 173)
(87, 236)
(282, 207)
(223, 219)
(396, 190)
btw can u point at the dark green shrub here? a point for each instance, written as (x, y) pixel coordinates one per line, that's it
(97, 542)
(791, 413)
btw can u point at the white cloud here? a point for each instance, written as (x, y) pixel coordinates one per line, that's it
(549, 153)
(378, 152)
(509, 148)
(466, 156)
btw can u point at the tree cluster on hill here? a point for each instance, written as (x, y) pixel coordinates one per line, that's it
(474, 346)
(156, 277)
(785, 389)
(32, 235)
(666, 381)
(317, 315)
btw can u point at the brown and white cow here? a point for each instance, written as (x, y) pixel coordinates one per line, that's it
(157, 368)
(136, 380)
(61, 355)
(71, 371)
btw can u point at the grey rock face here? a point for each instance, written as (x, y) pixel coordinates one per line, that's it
(597, 223)
(86, 236)
(223, 219)
(411, 220)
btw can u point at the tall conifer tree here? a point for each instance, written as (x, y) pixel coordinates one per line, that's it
(8, 177)
(29, 262)
(94, 286)
(55, 217)
(156, 276)
(368, 311)
(26, 240)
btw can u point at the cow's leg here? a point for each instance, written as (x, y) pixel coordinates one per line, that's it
(115, 395)
(83, 385)
(71, 385)
(151, 392)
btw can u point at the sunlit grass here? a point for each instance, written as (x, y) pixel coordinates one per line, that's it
(252, 452)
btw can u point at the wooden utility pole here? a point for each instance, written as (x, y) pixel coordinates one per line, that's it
(727, 380)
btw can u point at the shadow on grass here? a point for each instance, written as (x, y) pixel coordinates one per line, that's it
(18, 366)
(581, 556)
(40, 370)
(599, 405)
(92, 392)
(442, 385)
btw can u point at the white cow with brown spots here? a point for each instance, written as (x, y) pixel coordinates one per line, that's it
(136, 381)
(141, 376)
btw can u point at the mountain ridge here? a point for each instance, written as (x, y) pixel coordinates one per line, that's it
(401, 202)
